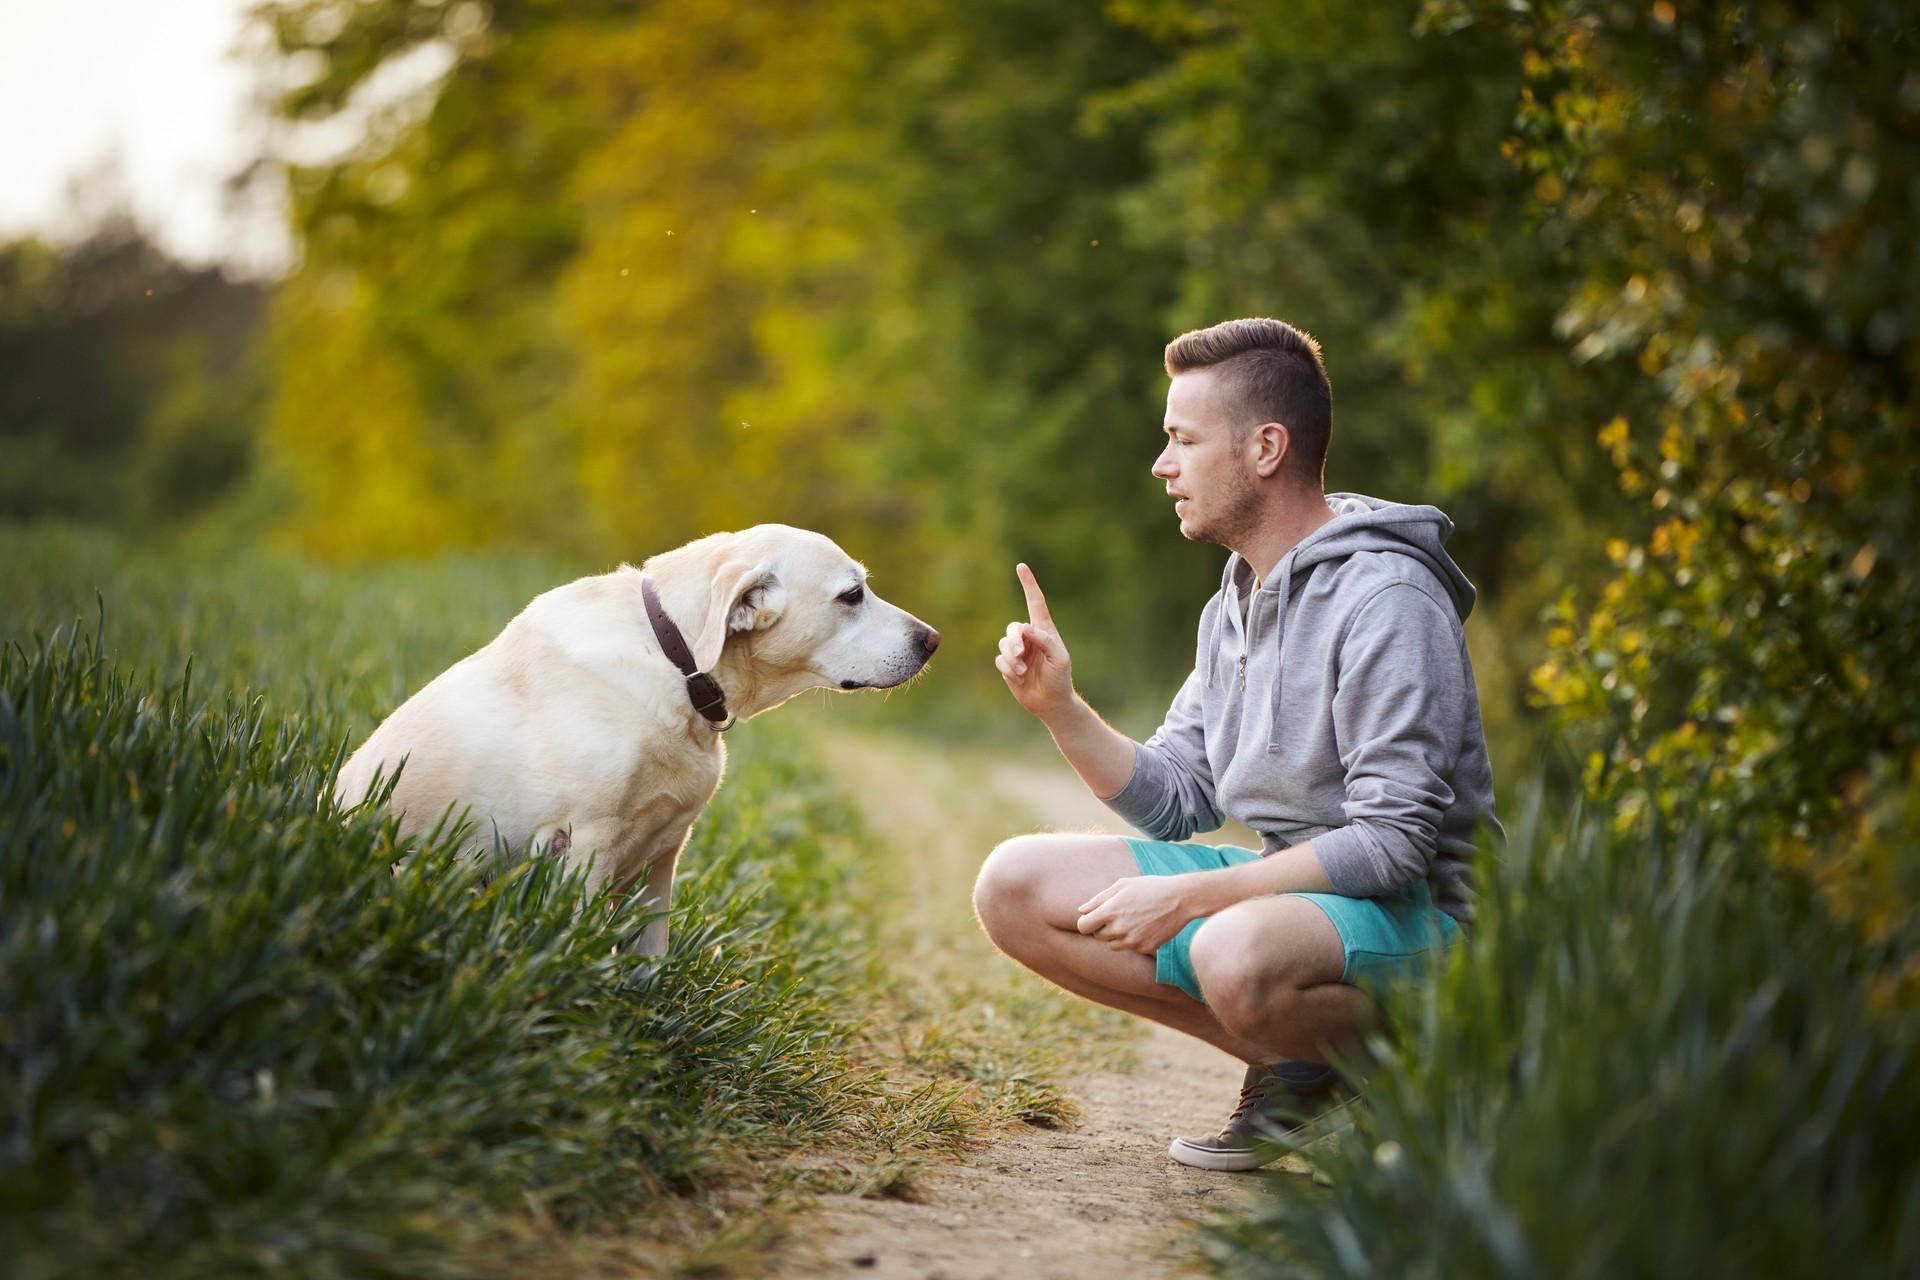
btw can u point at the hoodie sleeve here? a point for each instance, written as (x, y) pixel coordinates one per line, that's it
(1170, 795)
(1402, 692)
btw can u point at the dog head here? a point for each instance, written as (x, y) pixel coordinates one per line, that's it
(787, 610)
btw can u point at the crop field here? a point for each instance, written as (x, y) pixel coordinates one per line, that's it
(234, 1039)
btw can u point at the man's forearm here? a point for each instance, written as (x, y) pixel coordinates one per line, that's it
(1295, 870)
(1098, 752)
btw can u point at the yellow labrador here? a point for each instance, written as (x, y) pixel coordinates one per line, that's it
(590, 727)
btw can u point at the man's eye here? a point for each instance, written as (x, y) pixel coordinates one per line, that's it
(853, 595)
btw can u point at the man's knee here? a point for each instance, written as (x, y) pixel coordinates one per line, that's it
(1039, 881)
(1007, 889)
(1250, 961)
(1223, 961)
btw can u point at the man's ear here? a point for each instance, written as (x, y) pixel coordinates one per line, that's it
(744, 597)
(1269, 443)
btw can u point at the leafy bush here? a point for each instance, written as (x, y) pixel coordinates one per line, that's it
(1745, 182)
(1653, 1058)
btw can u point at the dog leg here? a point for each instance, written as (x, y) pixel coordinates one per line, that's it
(656, 893)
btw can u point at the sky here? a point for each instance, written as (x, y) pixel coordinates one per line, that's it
(149, 86)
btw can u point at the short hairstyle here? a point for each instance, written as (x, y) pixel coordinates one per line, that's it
(1274, 374)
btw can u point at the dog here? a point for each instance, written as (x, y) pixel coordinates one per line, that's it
(590, 727)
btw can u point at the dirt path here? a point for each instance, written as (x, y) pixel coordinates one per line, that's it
(1033, 1203)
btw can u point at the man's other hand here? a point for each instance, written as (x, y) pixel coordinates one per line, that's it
(1033, 660)
(1140, 913)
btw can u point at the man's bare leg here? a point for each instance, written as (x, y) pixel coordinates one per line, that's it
(1028, 898)
(1271, 969)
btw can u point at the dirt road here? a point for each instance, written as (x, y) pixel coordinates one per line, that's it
(1102, 1198)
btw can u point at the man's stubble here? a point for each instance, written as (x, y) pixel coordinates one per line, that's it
(1242, 507)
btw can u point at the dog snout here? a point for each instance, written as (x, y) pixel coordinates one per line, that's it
(929, 639)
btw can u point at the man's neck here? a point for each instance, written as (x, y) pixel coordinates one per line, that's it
(1287, 526)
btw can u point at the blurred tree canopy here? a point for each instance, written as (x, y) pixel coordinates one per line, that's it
(905, 275)
(130, 388)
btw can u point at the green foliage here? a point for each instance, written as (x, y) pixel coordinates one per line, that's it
(1652, 1059)
(130, 386)
(1749, 228)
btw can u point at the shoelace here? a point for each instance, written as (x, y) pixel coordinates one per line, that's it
(1261, 1093)
(1251, 1098)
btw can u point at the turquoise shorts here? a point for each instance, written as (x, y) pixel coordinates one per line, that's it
(1388, 936)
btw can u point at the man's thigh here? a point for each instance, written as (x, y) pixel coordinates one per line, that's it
(1050, 876)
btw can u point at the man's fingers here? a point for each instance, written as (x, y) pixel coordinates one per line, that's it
(1099, 898)
(1045, 641)
(1036, 602)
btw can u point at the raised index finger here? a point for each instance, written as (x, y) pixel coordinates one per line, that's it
(1036, 602)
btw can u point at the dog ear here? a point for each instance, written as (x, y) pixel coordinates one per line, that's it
(744, 597)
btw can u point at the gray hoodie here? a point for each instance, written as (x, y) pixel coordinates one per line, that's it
(1340, 710)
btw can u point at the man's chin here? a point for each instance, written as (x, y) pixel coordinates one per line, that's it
(1193, 531)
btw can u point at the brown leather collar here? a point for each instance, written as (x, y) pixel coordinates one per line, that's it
(708, 698)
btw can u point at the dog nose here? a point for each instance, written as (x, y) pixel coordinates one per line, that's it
(931, 640)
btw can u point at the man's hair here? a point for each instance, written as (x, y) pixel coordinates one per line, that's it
(1272, 372)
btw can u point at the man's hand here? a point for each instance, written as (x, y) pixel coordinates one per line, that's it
(1142, 913)
(1033, 659)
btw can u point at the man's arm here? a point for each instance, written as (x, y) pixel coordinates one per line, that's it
(1142, 913)
(1405, 690)
(1033, 661)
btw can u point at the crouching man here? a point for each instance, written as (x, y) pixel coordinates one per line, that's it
(1331, 708)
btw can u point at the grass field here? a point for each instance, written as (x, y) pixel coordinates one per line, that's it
(233, 1040)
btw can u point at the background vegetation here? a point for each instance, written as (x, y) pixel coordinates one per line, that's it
(1628, 289)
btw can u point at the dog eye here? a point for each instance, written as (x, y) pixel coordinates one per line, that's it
(853, 595)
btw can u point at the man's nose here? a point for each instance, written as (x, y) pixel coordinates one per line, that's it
(1163, 465)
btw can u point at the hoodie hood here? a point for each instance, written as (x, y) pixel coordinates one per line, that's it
(1371, 524)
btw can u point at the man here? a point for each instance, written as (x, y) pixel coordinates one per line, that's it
(1331, 708)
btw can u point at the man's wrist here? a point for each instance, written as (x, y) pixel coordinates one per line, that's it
(1208, 893)
(1061, 719)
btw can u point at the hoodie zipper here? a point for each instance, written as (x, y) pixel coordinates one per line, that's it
(1243, 673)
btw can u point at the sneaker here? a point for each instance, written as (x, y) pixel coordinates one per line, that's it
(1274, 1116)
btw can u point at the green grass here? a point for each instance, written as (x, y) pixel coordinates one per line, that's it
(1654, 1060)
(233, 1039)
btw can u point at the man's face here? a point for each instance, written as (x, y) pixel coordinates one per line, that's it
(1212, 483)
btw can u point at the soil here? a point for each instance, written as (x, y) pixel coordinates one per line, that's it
(1029, 1203)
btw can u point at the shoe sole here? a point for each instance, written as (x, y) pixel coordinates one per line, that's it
(1224, 1159)
(1197, 1155)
